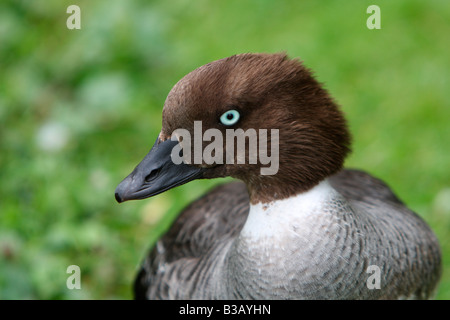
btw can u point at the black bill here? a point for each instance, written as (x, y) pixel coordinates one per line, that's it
(156, 173)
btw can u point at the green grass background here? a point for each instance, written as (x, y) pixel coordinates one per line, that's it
(103, 88)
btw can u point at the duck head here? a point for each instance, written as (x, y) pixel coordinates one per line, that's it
(305, 132)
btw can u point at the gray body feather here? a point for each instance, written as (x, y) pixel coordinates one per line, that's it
(203, 255)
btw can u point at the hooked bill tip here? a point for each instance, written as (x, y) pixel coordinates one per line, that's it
(118, 198)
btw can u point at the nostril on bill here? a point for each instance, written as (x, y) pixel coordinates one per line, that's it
(152, 175)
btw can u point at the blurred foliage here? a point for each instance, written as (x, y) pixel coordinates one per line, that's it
(80, 108)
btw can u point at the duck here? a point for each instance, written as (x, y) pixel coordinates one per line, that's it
(311, 229)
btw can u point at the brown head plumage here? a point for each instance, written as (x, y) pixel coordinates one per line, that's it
(271, 92)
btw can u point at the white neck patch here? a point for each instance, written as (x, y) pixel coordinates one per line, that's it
(273, 220)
